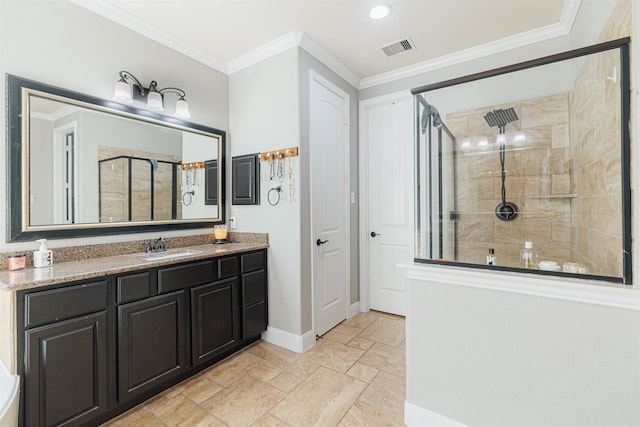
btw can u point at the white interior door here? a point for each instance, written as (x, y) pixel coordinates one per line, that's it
(64, 174)
(388, 127)
(329, 208)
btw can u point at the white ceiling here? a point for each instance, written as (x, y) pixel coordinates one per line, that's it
(227, 33)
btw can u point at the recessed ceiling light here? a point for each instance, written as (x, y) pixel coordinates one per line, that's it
(380, 12)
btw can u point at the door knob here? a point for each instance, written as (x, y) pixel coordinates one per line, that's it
(374, 234)
(321, 242)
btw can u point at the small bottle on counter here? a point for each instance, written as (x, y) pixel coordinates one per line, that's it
(528, 258)
(491, 257)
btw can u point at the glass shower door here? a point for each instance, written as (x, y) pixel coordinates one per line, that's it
(436, 185)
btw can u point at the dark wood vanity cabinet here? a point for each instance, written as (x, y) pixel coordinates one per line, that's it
(66, 355)
(94, 349)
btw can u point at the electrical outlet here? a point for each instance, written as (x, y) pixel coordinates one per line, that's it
(232, 222)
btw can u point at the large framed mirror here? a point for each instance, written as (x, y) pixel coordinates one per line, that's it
(84, 166)
(526, 168)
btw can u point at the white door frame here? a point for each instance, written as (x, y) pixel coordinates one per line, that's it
(363, 167)
(314, 76)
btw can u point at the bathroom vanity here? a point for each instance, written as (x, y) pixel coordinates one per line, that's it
(97, 337)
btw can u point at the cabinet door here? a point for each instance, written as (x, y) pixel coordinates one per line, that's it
(66, 371)
(151, 343)
(214, 319)
(254, 320)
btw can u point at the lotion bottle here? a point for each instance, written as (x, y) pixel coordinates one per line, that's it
(43, 257)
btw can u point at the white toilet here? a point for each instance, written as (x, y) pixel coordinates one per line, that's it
(9, 398)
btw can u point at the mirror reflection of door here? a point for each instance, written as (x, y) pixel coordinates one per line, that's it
(64, 164)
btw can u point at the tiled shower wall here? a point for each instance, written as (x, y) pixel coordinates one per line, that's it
(594, 105)
(538, 181)
(114, 186)
(565, 177)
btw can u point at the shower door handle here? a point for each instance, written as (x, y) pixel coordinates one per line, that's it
(374, 234)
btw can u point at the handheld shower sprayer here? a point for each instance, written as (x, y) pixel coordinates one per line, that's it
(430, 111)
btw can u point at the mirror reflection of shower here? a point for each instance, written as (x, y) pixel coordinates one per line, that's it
(505, 211)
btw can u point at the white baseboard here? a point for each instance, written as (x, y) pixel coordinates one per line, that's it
(417, 416)
(354, 309)
(293, 342)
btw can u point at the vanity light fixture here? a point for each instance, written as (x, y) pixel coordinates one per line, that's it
(379, 12)
(129, 89)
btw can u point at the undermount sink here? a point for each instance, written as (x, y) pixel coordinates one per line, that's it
(168, 254)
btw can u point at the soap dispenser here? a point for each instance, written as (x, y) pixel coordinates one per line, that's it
(43, 257)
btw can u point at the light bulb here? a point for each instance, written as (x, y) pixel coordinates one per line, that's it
(380, 12)
(154, 101)
(182, 108)
(122, 92)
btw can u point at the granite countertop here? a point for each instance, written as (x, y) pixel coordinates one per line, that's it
(30, 278)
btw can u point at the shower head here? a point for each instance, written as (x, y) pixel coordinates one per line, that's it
(500, 118)
(430, 110)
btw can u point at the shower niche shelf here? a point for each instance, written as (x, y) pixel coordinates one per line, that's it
(553, 197)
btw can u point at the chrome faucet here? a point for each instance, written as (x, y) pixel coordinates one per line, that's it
(159, 245)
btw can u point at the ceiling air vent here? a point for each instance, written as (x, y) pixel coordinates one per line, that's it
(400, 46)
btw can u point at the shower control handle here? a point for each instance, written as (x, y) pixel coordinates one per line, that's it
(374, 234)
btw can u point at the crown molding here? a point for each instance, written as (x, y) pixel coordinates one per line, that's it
(294, 39)
(301, 40)
(118, 16)
(56, 115)
(561, 28)
(329, 60)
(274, 47)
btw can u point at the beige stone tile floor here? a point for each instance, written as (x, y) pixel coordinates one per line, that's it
(353, 376)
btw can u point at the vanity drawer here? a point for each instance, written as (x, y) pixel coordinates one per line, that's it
(253, 287)
(185, 276)
(134, 287)
(65, 303)
(252, 261)
(227, 267)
